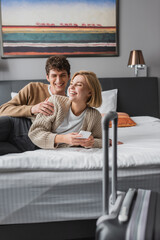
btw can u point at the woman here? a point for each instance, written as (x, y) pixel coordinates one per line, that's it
(71, 114)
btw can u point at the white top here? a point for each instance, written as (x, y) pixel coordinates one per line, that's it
(71, 123)
(49, 90)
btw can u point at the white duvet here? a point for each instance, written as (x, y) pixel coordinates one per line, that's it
(141, 146)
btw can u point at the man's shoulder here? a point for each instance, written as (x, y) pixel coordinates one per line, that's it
(37, 84)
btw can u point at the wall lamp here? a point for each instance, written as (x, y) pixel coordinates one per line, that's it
(136, 61)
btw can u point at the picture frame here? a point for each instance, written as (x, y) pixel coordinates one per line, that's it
(74, 28)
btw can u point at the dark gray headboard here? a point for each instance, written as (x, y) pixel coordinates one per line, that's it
(6, 87)
(136, 96)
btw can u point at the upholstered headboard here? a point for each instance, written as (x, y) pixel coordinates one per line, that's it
(6, 87)
(136, 96)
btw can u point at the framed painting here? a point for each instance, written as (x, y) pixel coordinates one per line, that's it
(41, 28)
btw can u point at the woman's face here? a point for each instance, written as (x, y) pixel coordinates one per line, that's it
(79, 90)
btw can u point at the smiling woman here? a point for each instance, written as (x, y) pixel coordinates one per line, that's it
(71, 115)
(79, 94)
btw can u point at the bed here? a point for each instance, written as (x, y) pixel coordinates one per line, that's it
(49, 194)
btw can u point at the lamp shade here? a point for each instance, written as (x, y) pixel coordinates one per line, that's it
(136, 58)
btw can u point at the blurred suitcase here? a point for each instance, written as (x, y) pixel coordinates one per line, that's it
(134, 215)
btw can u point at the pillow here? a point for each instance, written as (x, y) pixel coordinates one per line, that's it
(13, 94)
(109, 101)
(124, 120)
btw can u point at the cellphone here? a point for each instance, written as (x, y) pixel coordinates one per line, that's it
(85, 134)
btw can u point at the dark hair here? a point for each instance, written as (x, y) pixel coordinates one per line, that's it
(57, 62)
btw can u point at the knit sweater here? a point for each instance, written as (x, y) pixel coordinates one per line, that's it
(21, 104)
(42, 132)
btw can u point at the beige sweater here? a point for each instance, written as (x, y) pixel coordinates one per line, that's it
(30, 95)
(42, 132)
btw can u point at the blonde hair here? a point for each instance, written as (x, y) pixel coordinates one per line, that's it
(94, 85)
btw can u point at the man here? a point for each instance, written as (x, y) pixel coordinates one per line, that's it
(31, 100)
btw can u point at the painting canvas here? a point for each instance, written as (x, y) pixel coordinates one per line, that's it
(67, 27)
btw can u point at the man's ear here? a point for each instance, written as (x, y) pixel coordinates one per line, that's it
(47, 77)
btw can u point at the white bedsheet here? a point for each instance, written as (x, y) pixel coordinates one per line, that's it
(62, 194)
(141, 147)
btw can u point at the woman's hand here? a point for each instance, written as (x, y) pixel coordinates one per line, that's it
(75, 140)
(72, 139)
(88, 143)
(118, 143)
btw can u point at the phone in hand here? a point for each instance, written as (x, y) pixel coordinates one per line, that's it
(85, 134)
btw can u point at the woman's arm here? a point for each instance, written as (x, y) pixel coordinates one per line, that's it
(40, 131)
(71, 139)
(93, 124)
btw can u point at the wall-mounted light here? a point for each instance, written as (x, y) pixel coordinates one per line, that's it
(136, 61)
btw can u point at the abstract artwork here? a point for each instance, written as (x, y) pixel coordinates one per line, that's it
(42, 28)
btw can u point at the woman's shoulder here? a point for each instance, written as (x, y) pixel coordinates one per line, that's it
(60, 102)
(58, 98)
(94, 111)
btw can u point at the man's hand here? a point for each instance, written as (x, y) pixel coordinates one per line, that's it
(46, 108)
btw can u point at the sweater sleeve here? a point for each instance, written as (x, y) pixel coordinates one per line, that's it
(97, 131)
(21, 104)
(93, 124)
(17, 107)
(40, 132)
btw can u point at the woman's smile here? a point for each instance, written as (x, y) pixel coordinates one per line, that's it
(79, 90)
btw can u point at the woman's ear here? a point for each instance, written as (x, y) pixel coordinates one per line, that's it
(89, 96)
(89, 93)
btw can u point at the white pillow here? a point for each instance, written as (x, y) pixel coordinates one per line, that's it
(13, 94)
(109, 101)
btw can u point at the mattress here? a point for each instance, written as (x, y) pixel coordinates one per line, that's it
(66, 184)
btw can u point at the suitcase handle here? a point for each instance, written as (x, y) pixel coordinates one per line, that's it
(110, 116)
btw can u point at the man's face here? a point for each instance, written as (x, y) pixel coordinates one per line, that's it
(58, 81)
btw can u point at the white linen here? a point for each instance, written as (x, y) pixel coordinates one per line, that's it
(64, 193)
(13, 94)
(141, 146)
(109, 101)
(141, 143)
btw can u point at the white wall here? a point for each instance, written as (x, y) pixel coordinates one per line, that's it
(139, 29)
